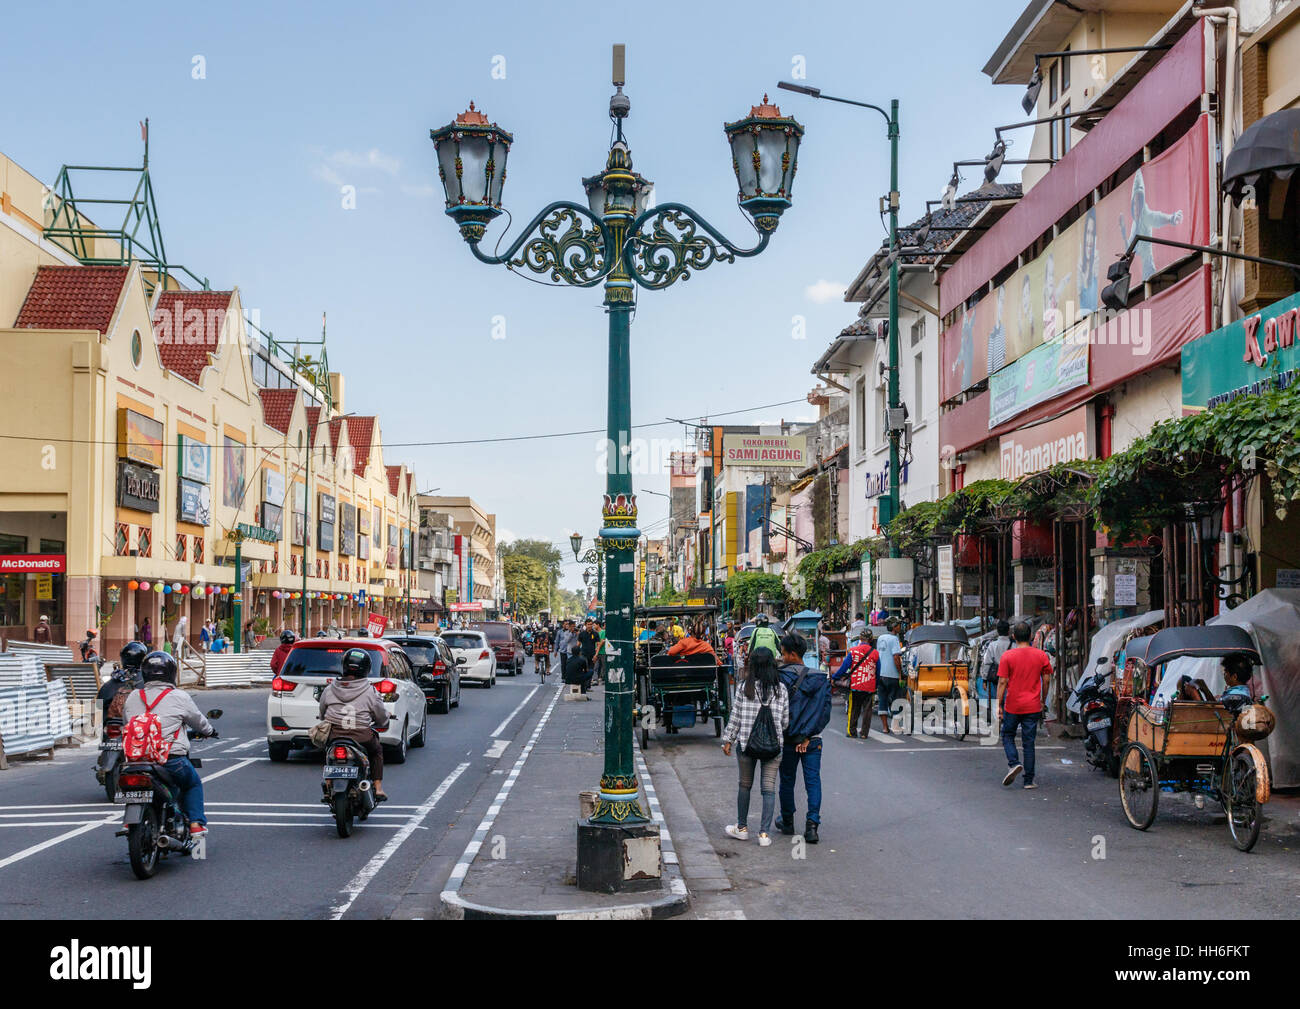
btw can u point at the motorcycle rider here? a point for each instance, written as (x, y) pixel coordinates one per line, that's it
(176, 712)
(351, 705)
(123, 679)
(287, 641)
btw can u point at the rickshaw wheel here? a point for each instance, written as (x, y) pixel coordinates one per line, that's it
(960, 719)
(1139, 785)
(1240, 803)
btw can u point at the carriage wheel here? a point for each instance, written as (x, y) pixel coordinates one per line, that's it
(1139, 785)
(1240, 802)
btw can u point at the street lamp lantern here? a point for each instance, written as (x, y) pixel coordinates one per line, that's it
(575, 541)
(472, 165)
(764, 154)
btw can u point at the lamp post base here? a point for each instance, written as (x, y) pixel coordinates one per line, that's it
(619, 858)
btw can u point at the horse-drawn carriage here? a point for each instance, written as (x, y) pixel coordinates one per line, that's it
(678, 691)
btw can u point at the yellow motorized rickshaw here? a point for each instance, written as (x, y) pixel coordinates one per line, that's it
(948, 678)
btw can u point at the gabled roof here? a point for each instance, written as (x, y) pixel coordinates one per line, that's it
(313, 420)
(335, 425)
(277, 407)
(183, 345)
(394, 474)
(72, 297)
(361, 433)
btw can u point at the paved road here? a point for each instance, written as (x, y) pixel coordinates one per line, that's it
(919, 828)
(273, 851)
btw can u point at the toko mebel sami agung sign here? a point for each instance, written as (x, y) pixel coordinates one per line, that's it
(765, 450)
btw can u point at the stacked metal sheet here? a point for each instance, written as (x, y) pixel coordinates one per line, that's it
(83, 685)
(25, 718)
(60, 717)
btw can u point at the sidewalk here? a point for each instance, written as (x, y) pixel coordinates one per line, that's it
(522, 860)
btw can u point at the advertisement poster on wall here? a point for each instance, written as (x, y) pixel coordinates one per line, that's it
(326, 533)
(347, 529)
(273, 487)
(325, 508)
(196, 459)
(137, 487)
(232, 469)
(273, 519)
(139, 438)
(195, 503)
(1167, 197)
(300, 536)
(1044, 373)
(392, 556)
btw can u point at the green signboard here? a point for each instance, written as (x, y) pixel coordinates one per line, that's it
(1046, 372)
(1244, 358)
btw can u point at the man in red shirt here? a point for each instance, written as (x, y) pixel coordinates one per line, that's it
(1023, 676)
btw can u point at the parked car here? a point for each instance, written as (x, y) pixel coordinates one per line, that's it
(294, 704)
(436, 672)
(474, 655)
(506, 642)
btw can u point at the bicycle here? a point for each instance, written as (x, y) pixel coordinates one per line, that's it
(543, 662)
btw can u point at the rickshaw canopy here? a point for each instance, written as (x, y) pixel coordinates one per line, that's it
(942, 634)
(1210, 642)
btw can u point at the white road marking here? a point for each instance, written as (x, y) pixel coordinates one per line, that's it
(368, 872)
(889, 738)
(971, 747)
(245, 746)
(59, 839)
(497, 748)
(226, 770)
(286, 805)
(510, 717)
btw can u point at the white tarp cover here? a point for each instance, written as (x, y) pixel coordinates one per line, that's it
(1107, 642)
(1272, 618)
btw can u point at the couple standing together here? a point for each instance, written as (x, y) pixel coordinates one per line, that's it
(777, 717)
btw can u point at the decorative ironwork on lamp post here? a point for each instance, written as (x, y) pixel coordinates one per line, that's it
(621, 240)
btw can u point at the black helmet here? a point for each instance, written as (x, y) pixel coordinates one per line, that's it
(133, 654)
(761, 620)
(287, 637)
(158, 666)
(356, 662)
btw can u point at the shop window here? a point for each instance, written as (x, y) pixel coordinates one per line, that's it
(1065, 71)
(1065, 130)
(918, 332)
(144, 542)
(198, 549)
(13, 592)
(121, 539)
(12, 544)
(1053, 84)
(180, 546)
(53, 546)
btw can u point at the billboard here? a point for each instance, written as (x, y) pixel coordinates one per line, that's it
(1030, 449)
(139, 438)
(1058, 291)
(195, 459)
(1043, 374)
(347, 529)
(232, 469)
(1244, 358)
(784, 451)
(194, 502)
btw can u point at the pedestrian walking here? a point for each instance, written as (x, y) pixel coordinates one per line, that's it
(42, 633)
(759, 716)
(588, 641)
(1024, 673)
(205, 636)
(993, 653)
(809, 692)
(178, 638)
(858, 673)
(146, 634)
(889, 671)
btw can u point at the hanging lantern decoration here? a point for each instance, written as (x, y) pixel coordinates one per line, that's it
(158, 587)
(144, 586)
(132, 585)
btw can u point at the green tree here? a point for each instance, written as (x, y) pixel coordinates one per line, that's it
(744, 587)
(526, 582)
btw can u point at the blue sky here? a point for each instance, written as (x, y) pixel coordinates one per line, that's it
(299, 99)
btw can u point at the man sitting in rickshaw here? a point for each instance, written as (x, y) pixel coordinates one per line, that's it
(1237, 671)
(696, 642)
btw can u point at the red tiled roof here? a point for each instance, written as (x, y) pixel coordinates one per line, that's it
(184, 340)
(335, 426)
(394, 478)
(361, 433)
(72, 297)
(313, 419)
(277, 407)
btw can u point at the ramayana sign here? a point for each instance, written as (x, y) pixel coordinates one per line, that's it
(1065, 439)
(765, 450)
(1245, 358)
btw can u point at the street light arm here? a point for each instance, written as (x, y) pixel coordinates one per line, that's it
(1212, 250)
(556, 242)
(674, 246)
(816, 93)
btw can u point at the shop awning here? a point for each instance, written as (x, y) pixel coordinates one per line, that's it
(1267, 152)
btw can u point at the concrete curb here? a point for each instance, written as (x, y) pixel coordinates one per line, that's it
(666, 905)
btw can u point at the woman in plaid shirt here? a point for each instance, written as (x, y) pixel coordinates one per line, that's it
(761, 686)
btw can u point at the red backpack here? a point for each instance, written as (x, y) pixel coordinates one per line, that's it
(142, 737)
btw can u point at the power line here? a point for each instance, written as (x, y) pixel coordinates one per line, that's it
(426, 444)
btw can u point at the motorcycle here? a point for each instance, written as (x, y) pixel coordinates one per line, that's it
(108, 765)
(153, 823)
(347, 783)
(1095, 695)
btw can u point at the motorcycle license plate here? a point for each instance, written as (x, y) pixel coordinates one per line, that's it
(1099, 723)
(340, 771)
(111, 744)
(141, 796)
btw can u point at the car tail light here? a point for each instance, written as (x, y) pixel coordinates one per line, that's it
(387, 689)
(279, 686)
(112, 730)
(485, 654)
(340, 753)
(136, 781)
(439, 668)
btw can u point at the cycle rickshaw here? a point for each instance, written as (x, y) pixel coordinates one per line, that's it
(949, 677)
(1198, 746)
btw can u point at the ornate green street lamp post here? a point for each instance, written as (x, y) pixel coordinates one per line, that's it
(621, 240)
